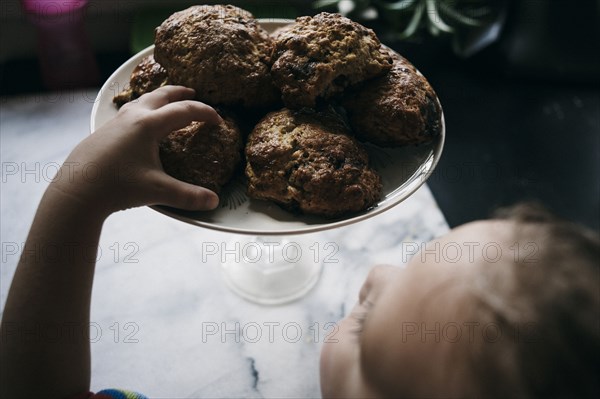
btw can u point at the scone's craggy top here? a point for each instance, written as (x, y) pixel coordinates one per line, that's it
(399, 108)
(306, 162)
(320, 56)
(147, 76)
(204, 155)
(221, 52)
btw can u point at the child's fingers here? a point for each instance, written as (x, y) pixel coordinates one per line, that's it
(179, 114)
(165, 95)
(178, 194)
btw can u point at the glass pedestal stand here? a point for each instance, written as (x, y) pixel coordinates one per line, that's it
(270, 270)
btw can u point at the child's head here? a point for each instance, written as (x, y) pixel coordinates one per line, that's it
(499, 308)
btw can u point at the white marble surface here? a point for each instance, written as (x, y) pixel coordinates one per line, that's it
(163, 321)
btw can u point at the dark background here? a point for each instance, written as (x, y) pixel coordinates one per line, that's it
(522, 116)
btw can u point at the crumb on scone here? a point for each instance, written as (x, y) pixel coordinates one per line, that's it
(201, 154)
(318, 57)
(147, 76)
(399, 108)
(221, 52)
(307, 162)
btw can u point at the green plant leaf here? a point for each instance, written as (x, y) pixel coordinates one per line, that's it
(401, 5)
(413, 25)
(459, 17)
(435, 19)
(324, 3)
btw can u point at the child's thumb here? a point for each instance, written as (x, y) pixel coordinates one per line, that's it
(178, 194)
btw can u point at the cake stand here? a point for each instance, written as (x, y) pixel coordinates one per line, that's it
(273, 261)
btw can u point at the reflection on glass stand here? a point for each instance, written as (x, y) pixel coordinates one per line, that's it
(271, 270)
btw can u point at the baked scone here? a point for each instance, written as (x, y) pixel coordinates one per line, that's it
(306, 161)
(201, 154)
(147, 76)
(221, 52)
(320, 56)
(399, 108)
(281, 30)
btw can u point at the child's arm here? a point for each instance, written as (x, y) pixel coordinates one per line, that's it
(118, 167)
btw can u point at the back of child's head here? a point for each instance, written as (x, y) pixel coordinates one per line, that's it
(523, 325)
(546, 304)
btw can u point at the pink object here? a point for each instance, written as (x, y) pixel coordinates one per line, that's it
(52, 7)
(66, 58)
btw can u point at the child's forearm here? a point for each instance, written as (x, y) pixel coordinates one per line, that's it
(45, 346)
(45, 349)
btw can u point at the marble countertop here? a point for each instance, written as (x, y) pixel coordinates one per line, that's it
(163, 321)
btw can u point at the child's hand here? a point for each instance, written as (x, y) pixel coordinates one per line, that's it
(118, 167)
(115, 168)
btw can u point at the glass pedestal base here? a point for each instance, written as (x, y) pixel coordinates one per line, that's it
(271, 270)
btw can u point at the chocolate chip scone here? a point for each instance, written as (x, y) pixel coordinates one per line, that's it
(205, 155)
(147, 76)
(320, 56)
(397, 109)
(307, 162)
(221, 52)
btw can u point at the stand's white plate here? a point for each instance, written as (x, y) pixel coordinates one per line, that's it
(403, 171)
